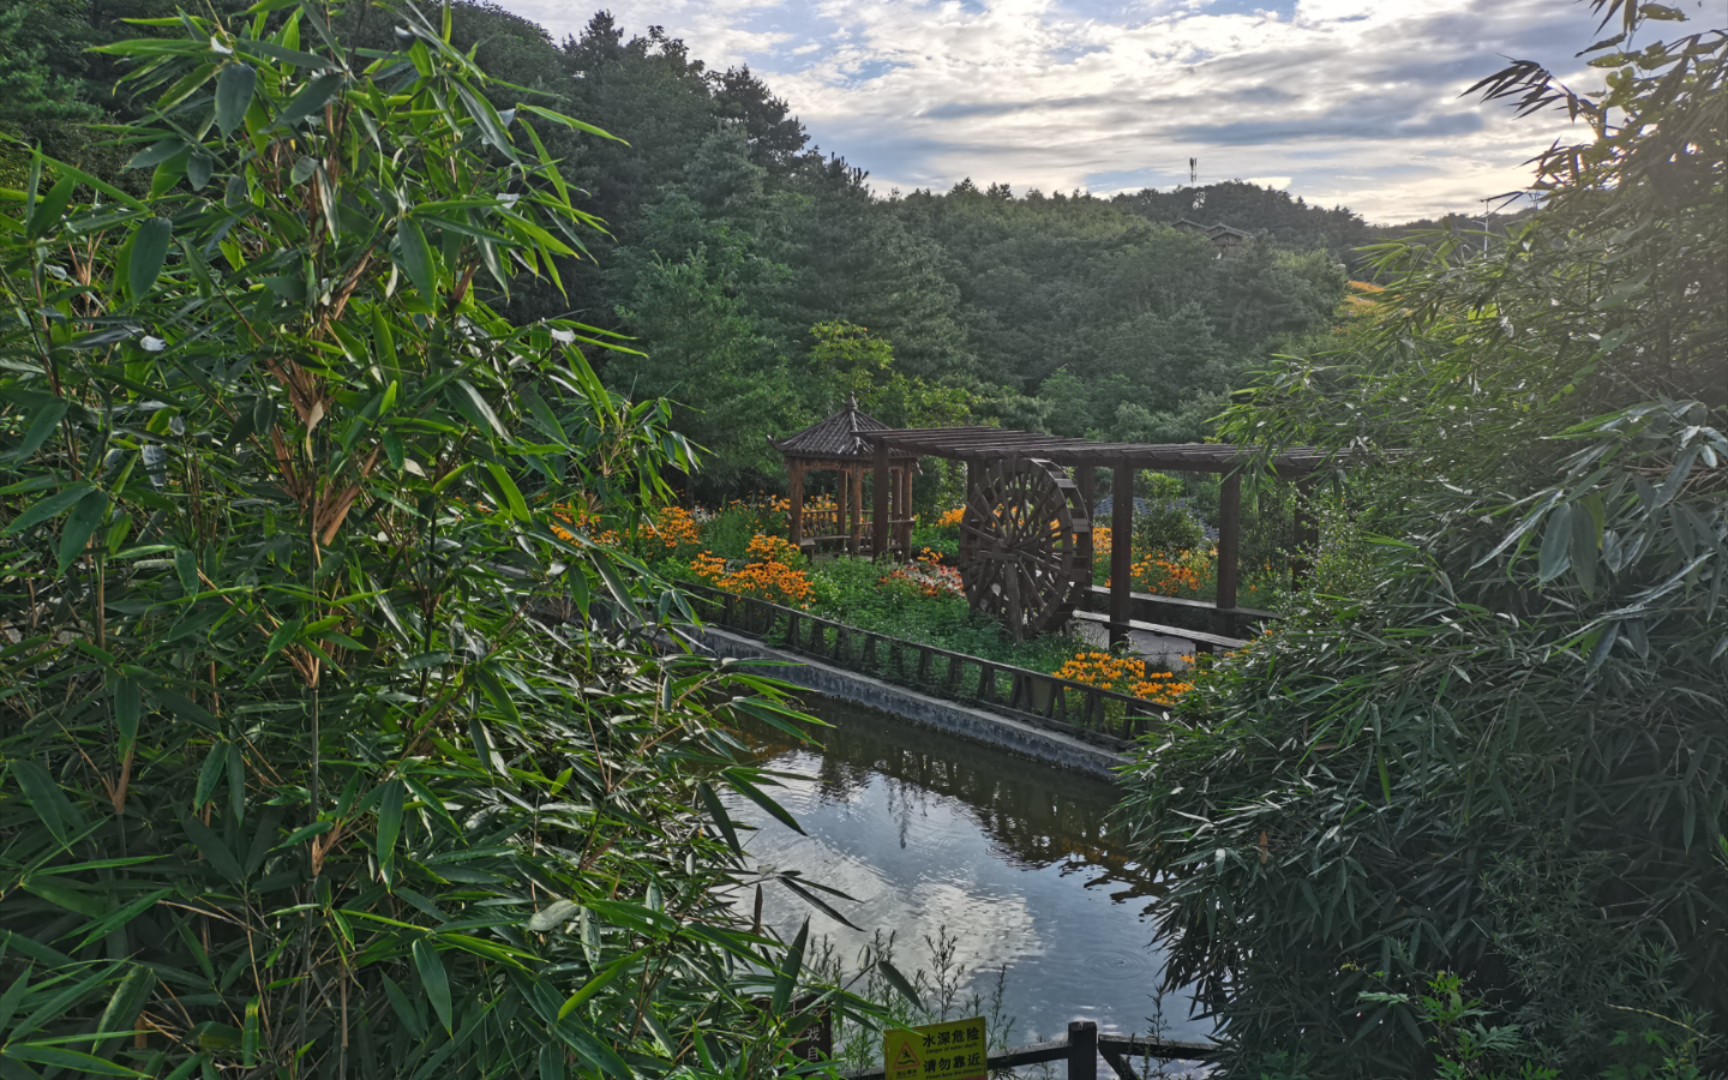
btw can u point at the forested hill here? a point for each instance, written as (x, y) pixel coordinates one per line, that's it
(763, 280)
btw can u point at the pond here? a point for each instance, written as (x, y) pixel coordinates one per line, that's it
(1016, 860)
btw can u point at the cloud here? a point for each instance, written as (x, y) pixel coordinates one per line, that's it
(1354, 101)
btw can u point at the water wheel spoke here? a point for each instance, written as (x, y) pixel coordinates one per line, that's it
(1019, 555)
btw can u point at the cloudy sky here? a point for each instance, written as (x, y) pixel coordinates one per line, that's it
(1352, 102)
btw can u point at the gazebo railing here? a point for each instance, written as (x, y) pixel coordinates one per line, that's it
(1074, 708)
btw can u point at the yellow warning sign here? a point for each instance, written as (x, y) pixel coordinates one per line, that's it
(957, 1050)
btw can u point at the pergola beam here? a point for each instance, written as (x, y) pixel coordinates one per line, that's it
(983, 444)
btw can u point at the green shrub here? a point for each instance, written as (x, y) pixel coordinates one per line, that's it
(1163, 522)
(1499, 751)
(320, 753)
(728, 532)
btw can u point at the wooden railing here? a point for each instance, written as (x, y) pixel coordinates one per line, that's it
(1180, 614)
(1081, 1050)
(1075, 708)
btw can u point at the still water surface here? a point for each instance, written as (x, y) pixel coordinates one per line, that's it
(1015, 858)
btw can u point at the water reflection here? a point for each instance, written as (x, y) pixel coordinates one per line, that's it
(1019, 859)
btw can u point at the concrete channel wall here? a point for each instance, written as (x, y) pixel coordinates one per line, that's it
(973, 723)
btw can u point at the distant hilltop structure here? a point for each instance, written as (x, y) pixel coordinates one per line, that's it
(1223, 237)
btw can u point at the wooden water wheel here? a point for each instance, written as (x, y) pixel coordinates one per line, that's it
(1022, 555)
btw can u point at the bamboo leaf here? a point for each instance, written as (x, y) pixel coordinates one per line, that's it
(817, 902)
(86, 517)
(63, 820)
(389, 828)
(722, 820)
(598, 983)
(59, 1057)
(149, 251)
(124, 1004)
(512, 495)
(310, 98)
(898, 982)
(414, 256)
(1556, 552)
(570, 122)
(791, 966)
(737, 782)
(215, 852)
(49, 508)
(44, 421)
(234, 89)
(434, 981)
(465, 399)
(45, 215)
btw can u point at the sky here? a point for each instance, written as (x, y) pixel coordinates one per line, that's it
(1343, 102)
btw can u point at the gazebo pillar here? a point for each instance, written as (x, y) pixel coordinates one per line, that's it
(857, 498)
(880, 503)
(795, 489)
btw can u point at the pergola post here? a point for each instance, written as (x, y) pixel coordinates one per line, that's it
(795, 487)
(1086, 479)
(1121, 554)
(1229, 541)
(1307, 536)
(880, 506)
(906, 508)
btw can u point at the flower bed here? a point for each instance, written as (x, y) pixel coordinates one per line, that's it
(742, 548)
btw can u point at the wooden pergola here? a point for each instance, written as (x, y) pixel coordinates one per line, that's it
(997, 460)
(837, 444)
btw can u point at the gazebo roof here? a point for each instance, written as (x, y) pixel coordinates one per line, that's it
(840, 437)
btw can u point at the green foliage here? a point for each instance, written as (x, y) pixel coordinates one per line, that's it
(39, 105)
(847, 359)
(851, 590)
(1165, 525)
(320, 753)
(729, 531)
(1499, 751)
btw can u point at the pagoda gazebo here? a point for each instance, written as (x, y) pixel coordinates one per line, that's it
(838, 445)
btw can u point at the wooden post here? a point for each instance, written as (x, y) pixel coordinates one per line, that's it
(1307, 538)
(1121, 554)
(857, 507)
(906, 469)
(795, 488)
(879, 497)
(893, 507)
(1086, 479)
(843, 502)
(1229, 540)
(1082, 1050)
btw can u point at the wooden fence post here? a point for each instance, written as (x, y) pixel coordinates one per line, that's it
(1082, 1050)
